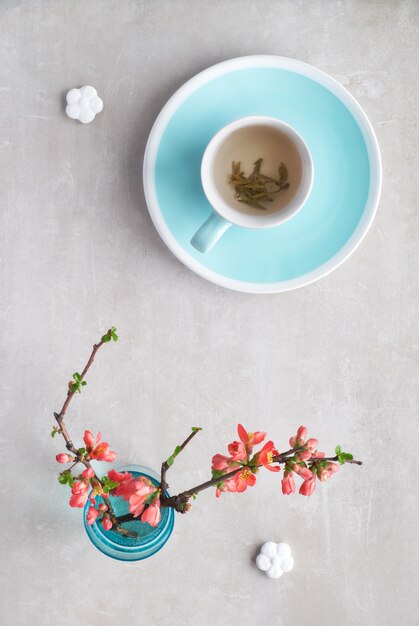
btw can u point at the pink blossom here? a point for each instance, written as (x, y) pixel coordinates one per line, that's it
(137, 504)
(250, 439)
(304, 455)
(227, 485)
(152, 513)
(266, 456)
(79, 497)
(324, 473)
(143, 489)
(231, 484)
(220, 462)
(89, 440)
(88, 473)
(106, 522)
(308, 486)
(237, 451)
(299, 439)
(244, 479)
(64, 458)
(102, 452)
(92, 515)
(288, 484)
(311, 444)
(99, 450)
(126, 487)
(304, 472)
(102, 507)
(332, 467)
(318, 455)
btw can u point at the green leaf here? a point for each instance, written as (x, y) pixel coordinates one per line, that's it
(195, 429)
(177, 450)
(338, 450)
(111, 334)
(63, 479)
(83, 382)
(108, 484)
(53, 433)
(70, 480)
(170, 461)
(77, 377)
(81, 450)
(344, 456)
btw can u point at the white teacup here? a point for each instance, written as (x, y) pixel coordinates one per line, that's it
(226, 208)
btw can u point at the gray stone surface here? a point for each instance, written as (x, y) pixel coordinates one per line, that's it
(79, 252)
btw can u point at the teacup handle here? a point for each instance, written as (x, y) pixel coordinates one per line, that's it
(210, 232)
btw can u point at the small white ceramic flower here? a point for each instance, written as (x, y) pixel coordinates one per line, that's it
(275, 559)
(83, 104)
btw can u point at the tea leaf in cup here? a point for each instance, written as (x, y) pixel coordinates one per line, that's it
(257, 187)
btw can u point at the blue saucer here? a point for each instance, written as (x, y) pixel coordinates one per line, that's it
(347, 179)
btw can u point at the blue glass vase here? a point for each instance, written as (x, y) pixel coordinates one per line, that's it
(150, 539)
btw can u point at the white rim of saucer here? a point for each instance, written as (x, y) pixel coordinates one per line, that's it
(318, 76)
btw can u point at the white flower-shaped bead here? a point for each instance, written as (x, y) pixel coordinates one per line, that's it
(275, 559)
(83, 104)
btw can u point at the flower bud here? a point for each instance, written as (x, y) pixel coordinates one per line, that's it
(92, 515)
(106, 522)
(64, 458)
(308, 486)
(88, 472)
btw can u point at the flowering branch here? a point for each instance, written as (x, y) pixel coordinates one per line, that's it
(79, 489)
(234, 472)
(302, 459)
(180, 501)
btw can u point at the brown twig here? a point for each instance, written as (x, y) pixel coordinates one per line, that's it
(70, 393)
(335, 458)
(165, 465)
(71, 447)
